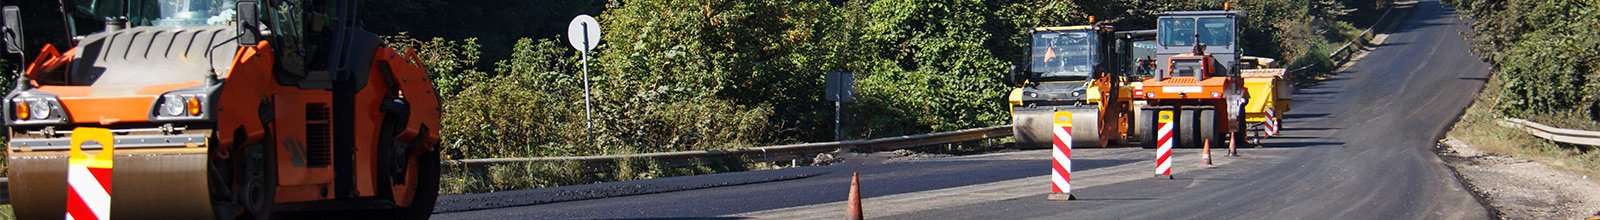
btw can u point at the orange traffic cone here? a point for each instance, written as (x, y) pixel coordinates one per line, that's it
(1205, 155)
(853, 209)
(1233, 141)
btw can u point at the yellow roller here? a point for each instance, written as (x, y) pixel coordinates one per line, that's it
(1033, 126)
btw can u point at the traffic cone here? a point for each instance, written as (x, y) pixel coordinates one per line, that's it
(853, 209)
(1233, 152)
(1205, 155)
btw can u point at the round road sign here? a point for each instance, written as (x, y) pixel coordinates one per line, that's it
(583, 33)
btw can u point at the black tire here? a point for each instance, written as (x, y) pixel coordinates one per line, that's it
(1209, 133)
(1188, 133)
(427, 191)
(393, 154)
(1145, 123)
(260, 183)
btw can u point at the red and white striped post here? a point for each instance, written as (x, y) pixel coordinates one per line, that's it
(1272, 123)
(1061, 159)
(89, 177)
(1164, 145)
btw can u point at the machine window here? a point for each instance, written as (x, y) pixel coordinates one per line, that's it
(1064, 54)
(170, 13)
(1142, 50)
(1176, 32)
(1216, 31)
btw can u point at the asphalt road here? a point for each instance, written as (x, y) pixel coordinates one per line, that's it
(1356, 146)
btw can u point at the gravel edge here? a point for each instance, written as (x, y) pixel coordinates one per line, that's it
(1516, 188)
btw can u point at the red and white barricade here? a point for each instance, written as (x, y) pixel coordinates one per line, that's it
(89, 177)
(1164, 142)
(1061, 158)
(1272, 123)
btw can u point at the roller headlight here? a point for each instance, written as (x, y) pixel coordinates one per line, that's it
(173, 106)
(39, 109)
(36, 108)
(182, 105)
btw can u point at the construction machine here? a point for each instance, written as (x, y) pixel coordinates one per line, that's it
(225, 109)
(1141, 65)
(1201, 79)
(1076, 69)
(1271, 94)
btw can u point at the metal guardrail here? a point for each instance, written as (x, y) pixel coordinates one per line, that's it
(1563, 135)
(1365, 36)
(768, 153)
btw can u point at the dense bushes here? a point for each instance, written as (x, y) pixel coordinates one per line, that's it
(1547, 53)
(713, 74)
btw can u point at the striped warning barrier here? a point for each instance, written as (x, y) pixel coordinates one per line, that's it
(1272, 123)
(1061, 158)
(1164, 145)
(89, 177)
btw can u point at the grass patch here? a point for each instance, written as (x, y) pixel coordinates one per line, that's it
(515, 176)
(1480, 127)
(5, 212)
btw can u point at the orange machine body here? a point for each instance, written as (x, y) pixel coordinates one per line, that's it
(1207, 86)
(250, 107)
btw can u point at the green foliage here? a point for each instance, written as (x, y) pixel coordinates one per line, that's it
(710, 74)
(718, 74)
(512, 176)
(927, 65)
(1550, 72)
(1545, 52)
(449, 63)
(682, 75)
(528, 109)
(1315, 60)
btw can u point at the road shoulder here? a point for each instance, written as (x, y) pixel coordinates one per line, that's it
(1522, 189)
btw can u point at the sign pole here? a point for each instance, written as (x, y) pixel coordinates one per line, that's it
(588, 109)
(589, 30)
(838, 130)
(838, 89)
